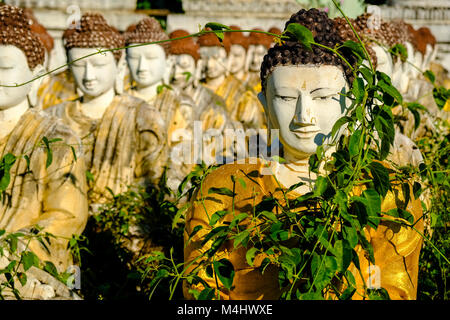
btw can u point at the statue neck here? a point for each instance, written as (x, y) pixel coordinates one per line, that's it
(296, 170)
(240, 74)
(95, 107)
(148, 93)
(214, 83)
(10, 117)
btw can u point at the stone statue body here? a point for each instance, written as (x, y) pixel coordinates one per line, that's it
(303, 104)
(147, 65)
(50, 196)
(124, 137)
(241, 103)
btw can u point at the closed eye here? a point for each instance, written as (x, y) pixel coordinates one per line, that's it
(286, 98)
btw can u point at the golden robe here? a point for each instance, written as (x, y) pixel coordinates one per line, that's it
(126, 146)
(242, 104)
(168, 104)
(53, 198)
(56, 89)
(396, 248)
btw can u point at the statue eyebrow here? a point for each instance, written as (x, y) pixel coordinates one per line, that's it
(318, 89)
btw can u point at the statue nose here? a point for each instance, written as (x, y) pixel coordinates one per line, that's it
(89, 72)
(143, 65)
(304, 113)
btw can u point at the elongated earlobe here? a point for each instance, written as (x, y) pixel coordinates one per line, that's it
(121, 68)
(32, 96)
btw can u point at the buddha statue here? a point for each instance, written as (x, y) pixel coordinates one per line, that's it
(302, 103)
(124, 137)
(49, 195)
(377, 41)
(258, 44)
(238, 53)
(197, 103)
(241, 103)
(148, 67)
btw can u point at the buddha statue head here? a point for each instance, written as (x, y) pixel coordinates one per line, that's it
(258, 44)
(22, 56)
(99, 73)
(214, 55)
(301, 88)
(238, 51)
(426, 45)
(184, 54)
(39, 30)
(148, 63)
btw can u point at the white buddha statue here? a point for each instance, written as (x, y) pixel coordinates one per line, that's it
(301, 91)
(241, 102)
(149, 69)
(49, 195)
(124, 137)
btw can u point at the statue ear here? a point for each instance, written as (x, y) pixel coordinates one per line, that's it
(168, 70)
(120, 77)
(248, 57)
(198, 72)
(262, 99)
(33, 94)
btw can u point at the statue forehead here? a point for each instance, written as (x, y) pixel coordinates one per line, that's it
(306, 76)
(10, 51)
(211, 50)
(151, 48)
(76, 53)
(184, 57)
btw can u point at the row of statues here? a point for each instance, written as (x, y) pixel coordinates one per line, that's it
(119, 114)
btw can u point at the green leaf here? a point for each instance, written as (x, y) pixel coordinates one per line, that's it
(6, 164)
(373, 202)
(400, 213)
(380, 178)
(355, 47)
(29, 259)
(225, 272)
(388, 88)
(50, 268)
(242, 237)
(441, 95)
(378, 294)
(301, 34)
(400, 51)
(358, 89)
(367, 75)
(222, 191)
(217, 28)
(343, 254)
(250, 255)
(206, 294)
(217, 216)
(354, 144)
(339, 124)
(351, 236)
(22, 278)
(320, 186)
(49, 152)
(269, 215)
(430, 76)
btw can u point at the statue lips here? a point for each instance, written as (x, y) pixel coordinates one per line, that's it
(90, 84)
(306, 132)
